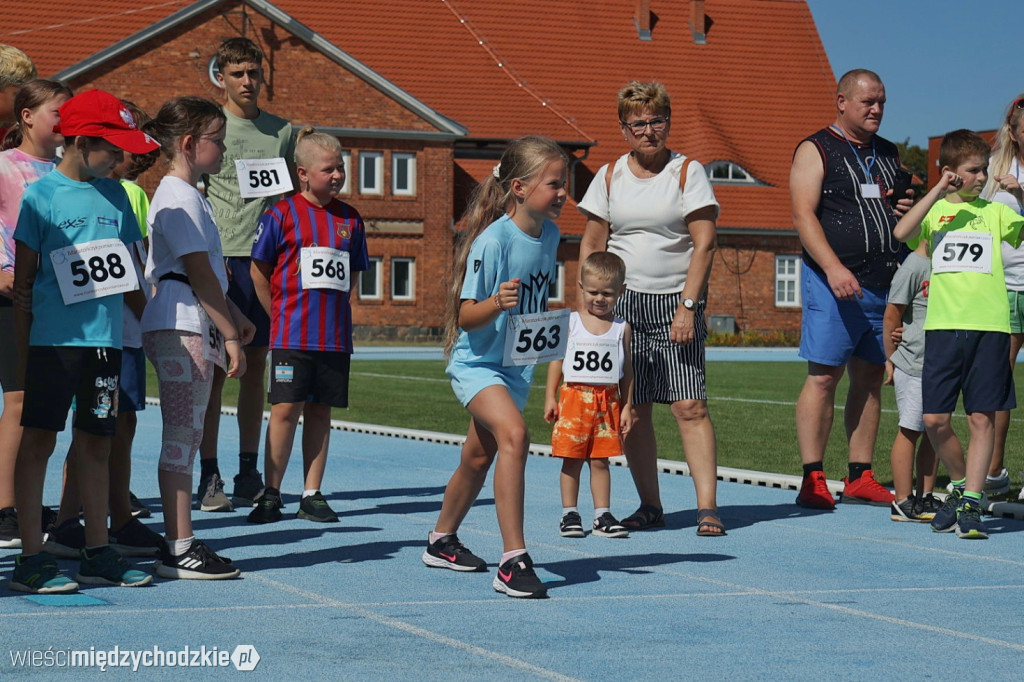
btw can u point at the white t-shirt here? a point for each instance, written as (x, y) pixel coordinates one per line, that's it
(1013, 259)
(647, 219)
(180, 223)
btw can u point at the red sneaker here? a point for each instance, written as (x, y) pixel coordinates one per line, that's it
(866, 490)
(814, 492)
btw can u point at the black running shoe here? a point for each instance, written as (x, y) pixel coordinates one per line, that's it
(268, 507)
(516, 578)
(248, 486)
(67, 540)
(315, 508)
(136, 539)
(944, 520)
(571, 525)
(10, 535)
(104, 566)
(448, 552)
(198, 563)
(139, 510)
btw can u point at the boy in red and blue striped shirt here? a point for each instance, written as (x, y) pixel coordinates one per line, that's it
(307, 250)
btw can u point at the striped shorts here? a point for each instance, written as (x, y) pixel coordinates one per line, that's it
(664, 372)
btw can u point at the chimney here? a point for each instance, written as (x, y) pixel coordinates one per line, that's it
(698, 22)
(642, 19)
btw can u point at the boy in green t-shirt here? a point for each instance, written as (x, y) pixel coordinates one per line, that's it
(967, 331)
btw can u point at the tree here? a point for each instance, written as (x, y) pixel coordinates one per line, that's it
(915, 159)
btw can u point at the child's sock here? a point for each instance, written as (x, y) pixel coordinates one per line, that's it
(857, 470)
(179, 547)
(434, 536)
(510, 555)
(247, 461)
(566, 510)
(600, 510)
(309, 493)
(813, 466)
(973, 496)
(959, 485)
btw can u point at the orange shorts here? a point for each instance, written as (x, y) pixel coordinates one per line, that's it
(588, 422)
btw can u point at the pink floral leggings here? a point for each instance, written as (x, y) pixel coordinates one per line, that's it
(185, 378)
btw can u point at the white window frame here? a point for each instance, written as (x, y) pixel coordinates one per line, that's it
(376, 271)
(412, 279)
(735, 173)
(410, 180)
(346, 161)
(371, 183)
(558, 284)
(787, 274)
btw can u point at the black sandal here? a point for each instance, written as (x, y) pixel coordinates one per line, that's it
(647, 516)
(702, 520)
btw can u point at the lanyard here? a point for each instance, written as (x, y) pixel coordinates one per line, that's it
(866, 169)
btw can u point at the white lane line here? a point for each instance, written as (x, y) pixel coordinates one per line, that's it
(417, 631)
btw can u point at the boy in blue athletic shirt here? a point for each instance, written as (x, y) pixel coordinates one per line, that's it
(967, 330)
(72, 274)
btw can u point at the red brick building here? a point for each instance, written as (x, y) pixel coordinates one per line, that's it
(425, 93)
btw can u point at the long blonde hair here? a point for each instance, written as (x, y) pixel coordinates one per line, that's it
(1005, 148)
(523, 158)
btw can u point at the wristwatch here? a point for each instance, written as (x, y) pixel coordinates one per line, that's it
(689, 303)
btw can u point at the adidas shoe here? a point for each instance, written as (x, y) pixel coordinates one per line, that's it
(248, 486)
(106, 567)
(814, 492)
(606, 526)
(944, 520)
(268, 507)
(448, 552)
(906, 511)
(968, 521)
(571, 525)
(135, 539)
(315, 508)
(516, 578)
(210, 495)
(198, 563)
(39, 574)
(866, 490)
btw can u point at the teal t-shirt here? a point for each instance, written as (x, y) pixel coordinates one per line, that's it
(964, 239)
(57, 212)
(264, 137)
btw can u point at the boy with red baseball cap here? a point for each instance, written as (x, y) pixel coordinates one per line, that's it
(72, 274)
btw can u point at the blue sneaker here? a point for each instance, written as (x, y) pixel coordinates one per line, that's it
(945, 519)
(106, 567)
(968, 521)
(39, 574)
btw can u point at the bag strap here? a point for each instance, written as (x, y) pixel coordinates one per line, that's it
(611, 166)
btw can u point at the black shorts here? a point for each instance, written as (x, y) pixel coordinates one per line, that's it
(977, 363)
(243, 294)
(298, 376)
(57, 375)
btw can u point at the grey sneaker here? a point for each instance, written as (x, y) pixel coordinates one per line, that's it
(999, 485)
(210, 496)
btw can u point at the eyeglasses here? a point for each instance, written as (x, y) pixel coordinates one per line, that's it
(657, 125)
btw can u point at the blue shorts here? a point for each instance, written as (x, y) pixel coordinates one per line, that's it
(243, 294)
(132, 395)
(976, 363)
(833, 331)
(468, 380)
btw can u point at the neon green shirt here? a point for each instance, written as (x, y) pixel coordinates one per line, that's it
(967, 289)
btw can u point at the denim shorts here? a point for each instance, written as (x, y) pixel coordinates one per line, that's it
(833, 331)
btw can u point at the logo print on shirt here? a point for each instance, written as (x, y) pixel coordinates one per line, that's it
(533, 293)
(476, 266)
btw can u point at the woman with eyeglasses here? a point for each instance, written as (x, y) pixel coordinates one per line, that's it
(1008, 159)
(655, 209)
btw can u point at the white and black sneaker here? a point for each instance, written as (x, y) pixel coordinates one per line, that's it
(516, 578)
(571, 525)
(607, 526)
(198, 563)
(448, 552)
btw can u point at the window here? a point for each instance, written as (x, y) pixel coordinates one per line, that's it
(556, 290)
(403, 278)
(728, 172)
(346, 161)
(369, 281)
(787, 281)
(371, 172)
(403, 174)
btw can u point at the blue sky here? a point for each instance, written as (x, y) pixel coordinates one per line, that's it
(945, 64)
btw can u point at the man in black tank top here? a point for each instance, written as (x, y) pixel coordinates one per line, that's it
(840, 184)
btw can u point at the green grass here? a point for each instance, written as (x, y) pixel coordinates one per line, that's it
(751, 405)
